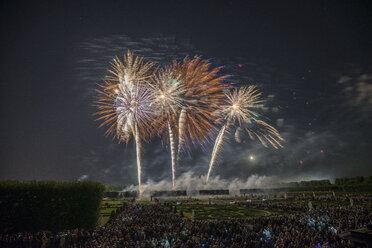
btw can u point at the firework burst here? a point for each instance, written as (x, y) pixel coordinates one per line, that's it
(131, 70)
(187, 94)
(124, 102)
(240, 109)
(169, 96)
(205, 91)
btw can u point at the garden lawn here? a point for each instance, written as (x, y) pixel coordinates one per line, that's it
(219, 211)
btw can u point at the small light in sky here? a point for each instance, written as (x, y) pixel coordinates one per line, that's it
(301, 162)
(116, 91)
(251, 157)
(321, 150)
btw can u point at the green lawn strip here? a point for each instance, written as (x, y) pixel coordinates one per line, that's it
(105, 219)
(107, 210)
(144, 202)
(112, 202)
(107, 213)
(217, 211)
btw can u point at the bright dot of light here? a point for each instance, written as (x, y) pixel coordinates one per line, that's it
(301, 162)
(162, 96)
(251, 157)
(116, 91)
(234, 106)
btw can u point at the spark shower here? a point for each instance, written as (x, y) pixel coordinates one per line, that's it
(184, 104)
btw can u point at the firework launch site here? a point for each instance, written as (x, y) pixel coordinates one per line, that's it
(283, 190)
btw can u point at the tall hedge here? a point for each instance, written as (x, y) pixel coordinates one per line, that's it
(353, 180)
(315, 183)
(50, 206)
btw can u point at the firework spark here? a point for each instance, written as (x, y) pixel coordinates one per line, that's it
(125, 101)
(187, 93)
(131, 70)
(204, 93)
(169, 92)
(240, 109)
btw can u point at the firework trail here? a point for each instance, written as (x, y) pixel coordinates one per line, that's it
(187, 93)
(173, 155)
(138, 153)
(204, 93)
(169, 92)
(181, 132)
(239, 109)
(216, 148)
(124, 102)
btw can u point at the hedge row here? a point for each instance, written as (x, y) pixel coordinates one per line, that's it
(50, 206)
(340, 183)
(353, 180)
(360, 188)
(315, 183)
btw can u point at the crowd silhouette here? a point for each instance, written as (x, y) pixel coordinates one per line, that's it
(156, 225)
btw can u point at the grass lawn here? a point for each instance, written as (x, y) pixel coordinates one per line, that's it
(105, 219)
(112, 202)
(144, 202)
(219, 211)
(106, 210)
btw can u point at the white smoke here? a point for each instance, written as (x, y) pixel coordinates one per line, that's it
(83, 177)
(190, 182)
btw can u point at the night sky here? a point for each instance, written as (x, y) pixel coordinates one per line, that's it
(311, 59)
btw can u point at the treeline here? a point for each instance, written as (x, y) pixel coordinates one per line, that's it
(309, 183)
(352, 184)
(117, 194)
(48, 205)
(353, 180)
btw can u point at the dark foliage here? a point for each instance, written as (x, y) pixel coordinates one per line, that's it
(353, 180)
(168, 193)
(214, 192)
(111, 194)
(47, 205)
(345, 184)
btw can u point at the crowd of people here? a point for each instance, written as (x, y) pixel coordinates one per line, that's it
(156, 225)
(331, 196)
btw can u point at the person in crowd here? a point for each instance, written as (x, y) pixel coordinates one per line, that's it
(156, 225)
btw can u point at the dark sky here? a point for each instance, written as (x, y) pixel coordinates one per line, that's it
(312, 60)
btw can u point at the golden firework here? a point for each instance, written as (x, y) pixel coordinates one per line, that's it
(124, 102)
(240, 109)
(205, 91)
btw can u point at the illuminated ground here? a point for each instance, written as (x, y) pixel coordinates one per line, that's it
(220, 211)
